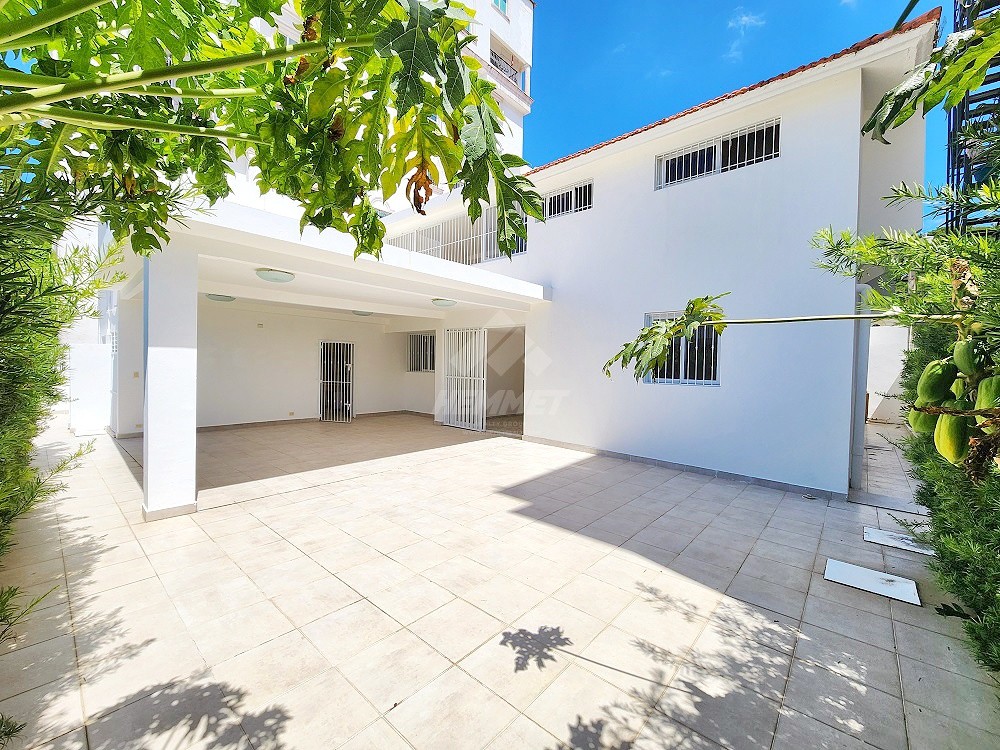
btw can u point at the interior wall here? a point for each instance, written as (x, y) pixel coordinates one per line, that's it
(261, 363)
(418, 391)
(504, 371)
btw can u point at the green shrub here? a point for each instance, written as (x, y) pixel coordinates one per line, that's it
(964, 523)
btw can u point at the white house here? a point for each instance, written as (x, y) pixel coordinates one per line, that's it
(244, 320)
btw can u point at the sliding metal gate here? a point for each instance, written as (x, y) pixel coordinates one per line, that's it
(465, 378)
(336, 381)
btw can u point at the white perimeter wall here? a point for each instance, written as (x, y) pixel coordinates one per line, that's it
(248, 373)
(783, 410)
(885, 365)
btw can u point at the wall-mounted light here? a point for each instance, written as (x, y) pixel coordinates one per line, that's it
(362, 313)
(441, 302)
(220, 297)
(274, 275)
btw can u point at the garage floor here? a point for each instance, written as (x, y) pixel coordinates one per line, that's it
(400, 585)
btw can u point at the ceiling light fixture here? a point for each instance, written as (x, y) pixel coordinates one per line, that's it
(362, 313)
(274, 275)
(220, 297)
(441, 302)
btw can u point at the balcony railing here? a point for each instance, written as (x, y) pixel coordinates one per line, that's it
(457, 239)
(505, 68)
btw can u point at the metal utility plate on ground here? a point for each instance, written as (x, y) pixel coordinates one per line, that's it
(896, 540)
(884, 501)
(874, 581)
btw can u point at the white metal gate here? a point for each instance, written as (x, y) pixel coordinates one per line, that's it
(336, 381)
(465, 378)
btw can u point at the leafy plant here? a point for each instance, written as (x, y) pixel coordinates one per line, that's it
(375, 95)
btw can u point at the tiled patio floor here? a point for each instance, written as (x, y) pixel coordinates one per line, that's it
(447, 590)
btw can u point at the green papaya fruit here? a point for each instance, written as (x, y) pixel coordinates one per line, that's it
(958, 387)
(935, 381)
(988, 397)
(951, 434)
(966, 357)
(921, 421)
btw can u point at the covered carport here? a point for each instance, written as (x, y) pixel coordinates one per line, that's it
(227, 326)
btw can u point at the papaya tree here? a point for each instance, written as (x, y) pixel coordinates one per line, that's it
(141, 101)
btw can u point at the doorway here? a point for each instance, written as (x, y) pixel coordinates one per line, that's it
(336, 381)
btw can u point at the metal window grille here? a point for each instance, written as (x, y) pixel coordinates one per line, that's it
(692, 361)
(421, 354)
(740, 148)
(336, 381)
(504, 67)
(569, 200)
(457, 239)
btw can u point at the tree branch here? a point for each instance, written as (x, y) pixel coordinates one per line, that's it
(118, 81)
(18, 79)
(21, 27)
(112, 122)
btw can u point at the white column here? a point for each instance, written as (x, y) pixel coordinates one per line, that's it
(859, 402)
(170, 293)
(527, 80)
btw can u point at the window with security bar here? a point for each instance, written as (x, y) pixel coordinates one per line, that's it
(740, 148)
(693, 361)
(570, 200)
(421, 353)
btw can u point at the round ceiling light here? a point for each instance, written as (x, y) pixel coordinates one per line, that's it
(441, 302)
(220, 297)
(274, 275)
(362, 313)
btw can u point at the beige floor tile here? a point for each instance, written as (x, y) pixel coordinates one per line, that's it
(193, 715)
(321, 713)
(848, 706)
(456, 629)
(928, 729)
(772, 596)
(628, 662)
(541, 574)
(212, 602)
(523, 733)
(305, 603)
(939, 651)
(503, 597)
(720, 709)
(950, 694)
(422, 555)
(797, 731)
(579, 703)
(48, 711)
(753, 665)
(459, 575)
(849, 658)
(452, 713)
(239, 631)
(390, 671)
(33, 666)
(853, 623)
(594, 597)
(288, 577)
(257, 677)
(411, 599)
(374, 575)
(346, 632)
(377, 736)
(76, 740)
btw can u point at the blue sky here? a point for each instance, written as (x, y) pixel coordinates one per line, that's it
(599, 72)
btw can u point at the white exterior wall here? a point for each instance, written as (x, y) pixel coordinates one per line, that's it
(885, 365)
(252, 374)
(783, 410)
(514, 29)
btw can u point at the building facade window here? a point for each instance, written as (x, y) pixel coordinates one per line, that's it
(693, 361)
(500, 5)
(421, 353)
(569, 200)
(740, 148)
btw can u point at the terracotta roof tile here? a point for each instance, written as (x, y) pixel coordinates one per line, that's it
(933, 16)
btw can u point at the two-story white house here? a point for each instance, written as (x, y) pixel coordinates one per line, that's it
(243, 320)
